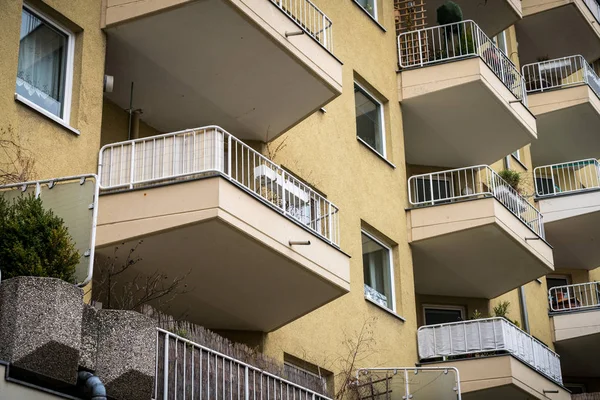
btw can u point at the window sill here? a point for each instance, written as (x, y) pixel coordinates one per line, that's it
(519, 162)
(369, 15)
(375, 152)
(392, 313)
(45, 113)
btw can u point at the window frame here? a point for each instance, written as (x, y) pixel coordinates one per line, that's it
(452, 307)
(449, 185)
(391, 271)
(65, 118)
(374, 99)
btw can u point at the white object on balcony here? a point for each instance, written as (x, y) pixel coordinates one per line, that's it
(375, 296)
(269, 175)
(510, 198)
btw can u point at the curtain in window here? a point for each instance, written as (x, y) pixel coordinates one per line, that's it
(42, 62)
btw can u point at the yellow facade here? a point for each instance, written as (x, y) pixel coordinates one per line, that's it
(321, 148)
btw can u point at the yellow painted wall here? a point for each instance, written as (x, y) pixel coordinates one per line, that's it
(368, 190)
(57, 151)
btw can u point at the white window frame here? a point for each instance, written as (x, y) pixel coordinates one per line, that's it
(438, 178)
(426, 307)
(381, 117)
(374, 15)
(497, 43)
(391, 267)
(66, 117)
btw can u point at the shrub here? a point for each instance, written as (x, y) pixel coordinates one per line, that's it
(34, 241)
(449, 13)
(513, 178)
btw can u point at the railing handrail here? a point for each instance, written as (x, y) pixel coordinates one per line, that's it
(493, 178)
(572, 289)
(236, 361)
(313, 26)
(537, 175)
(568, 67)
(480, 43)
(329, 233)
(486, 350)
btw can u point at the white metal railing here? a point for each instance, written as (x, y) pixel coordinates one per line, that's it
(177, 156)
(571, 177)
(471, 183)
(458, 41)
(580, 296)
(560, 73)
(487, 335)
(310, 18)
(439, 383)
(185, 369)
(594, 8)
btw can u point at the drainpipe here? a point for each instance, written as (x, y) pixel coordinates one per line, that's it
(525, 316)
(92, 385)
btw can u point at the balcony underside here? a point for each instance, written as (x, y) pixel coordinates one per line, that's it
(243, 274)
(459, 113)
(493, 17)
(474, 249)
(567, 121)
(577, 335)
(501, 378)
(541, 32)
(572, 223)
(225, 61)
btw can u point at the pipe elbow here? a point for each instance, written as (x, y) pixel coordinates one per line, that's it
(92, 385)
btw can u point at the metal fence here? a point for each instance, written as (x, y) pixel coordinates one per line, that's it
(310, 18)
(571, 177)
(490, 335)
(458, 41)
(576, 297)
(210, 150)
(187, 370)
(471, 183)
(560, 73)
(425, 383)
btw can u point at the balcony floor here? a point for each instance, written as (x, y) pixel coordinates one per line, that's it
(243, 275)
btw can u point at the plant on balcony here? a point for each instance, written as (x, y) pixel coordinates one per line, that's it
(449, 13)
(34, 241)
(513, 178)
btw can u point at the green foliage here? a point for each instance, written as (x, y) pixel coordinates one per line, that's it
(513, 178)
(34, 241)
(476, 314)
(501, 310)
(449, 13)
(464, 41)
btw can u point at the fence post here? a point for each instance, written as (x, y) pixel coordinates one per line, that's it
(420, 47)
(330, 233)
(283, 191)
(132, 171)
(324, 32)
(246, 384)
(166, 369)
(229, 151)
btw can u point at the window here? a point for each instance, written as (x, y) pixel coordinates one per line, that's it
(500, 40)
(425, 187)
(369, 6)
(369, 120)
(377, 269)
(544, 186)
(312, 376)
(516, 155)
(442, 314)
(44, 71)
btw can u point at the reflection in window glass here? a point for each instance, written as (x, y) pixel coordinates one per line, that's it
(377, 272)
(368, 120)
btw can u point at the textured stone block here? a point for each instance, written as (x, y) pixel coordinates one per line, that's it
(40, 326)
(90, 327)
(126, 353)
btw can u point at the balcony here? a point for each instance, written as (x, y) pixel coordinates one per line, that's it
(252, 239)
(564, 95)
(185, 369)
(468, 225)
(463, 101)
(258, 67)
(492, 17)
(568, 195)
(426, 383)
(495, 359)
(540, 32)
(575, 312)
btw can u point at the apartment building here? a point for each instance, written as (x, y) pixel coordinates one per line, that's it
(329, 176)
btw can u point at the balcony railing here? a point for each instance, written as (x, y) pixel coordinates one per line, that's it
(210, 150)
(472, 183)
(581, 296)
(308, 17)
(567, 178)
(560, 73)
(459, 41)
(491, 335)
(594, 8)
(408, 383)
(185, 369)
